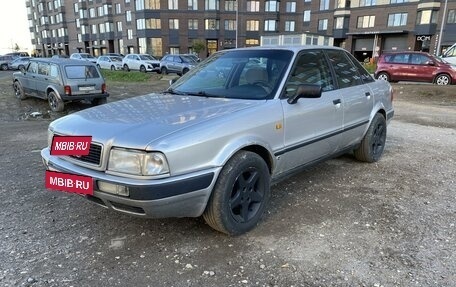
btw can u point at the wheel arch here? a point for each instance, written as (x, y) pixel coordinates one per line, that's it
(50, 89)
(440, 74)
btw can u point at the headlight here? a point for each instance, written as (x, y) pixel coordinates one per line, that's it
(137, 162)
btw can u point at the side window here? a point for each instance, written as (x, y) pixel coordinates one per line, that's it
(400, 59)
(365, 76)
(54, 71)
(33, 68)
(346, 73)
(43, 69)
(418, 59)
(311, 68)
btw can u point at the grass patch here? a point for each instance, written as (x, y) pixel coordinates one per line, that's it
(123, 76)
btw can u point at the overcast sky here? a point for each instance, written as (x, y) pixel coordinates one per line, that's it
(14, 26)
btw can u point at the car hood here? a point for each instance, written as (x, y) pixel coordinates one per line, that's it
(136, 122)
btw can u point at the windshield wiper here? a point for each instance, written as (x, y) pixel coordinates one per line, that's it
(203, 94)
(174, 92)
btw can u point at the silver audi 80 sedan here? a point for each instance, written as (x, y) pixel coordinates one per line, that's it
(213, 143)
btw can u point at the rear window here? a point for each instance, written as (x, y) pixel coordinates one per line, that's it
(81, 72)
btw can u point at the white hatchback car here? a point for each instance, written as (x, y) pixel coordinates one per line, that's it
(141, 62)
(110, 62)
(84, 57)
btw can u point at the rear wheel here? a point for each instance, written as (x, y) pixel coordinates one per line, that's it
(4, 67)
(164, 71)
(19, 91)
(99, 101)
(113, 68)
(184, 71)
(383, 76)
(142, 69)
(373, 143)
(55, 103)
(240, 195)
(442, 80)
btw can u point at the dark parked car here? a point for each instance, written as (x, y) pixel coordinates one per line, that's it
(212, 145)
(416, 67)
(59, 81)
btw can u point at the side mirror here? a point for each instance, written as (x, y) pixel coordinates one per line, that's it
(430, 63)
(172, 81)
(308, 91)
(22, 69)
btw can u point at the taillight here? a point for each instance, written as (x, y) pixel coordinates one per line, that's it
(103, 88)
(67, 90)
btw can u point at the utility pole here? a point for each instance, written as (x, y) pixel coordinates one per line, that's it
(442, 26)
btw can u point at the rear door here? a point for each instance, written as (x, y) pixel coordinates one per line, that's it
(357, 97)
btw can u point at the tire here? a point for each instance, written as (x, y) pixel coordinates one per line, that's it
(19, 90)
(164, 71)
(184, 71)
(4, 67)
(373, 143)
(240, 195)
(383, 76)
(113, 68)
(99, 101)
(55, 103)
(98, 65)
(142, 69)
(21, 68)
(442, 80)
(126, 68)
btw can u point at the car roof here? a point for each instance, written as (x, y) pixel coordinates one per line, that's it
(61, 61)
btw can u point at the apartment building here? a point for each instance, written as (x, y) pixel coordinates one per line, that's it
(363, 27)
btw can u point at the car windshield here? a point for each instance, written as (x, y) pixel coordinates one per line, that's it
(146, 57)
(239, 74)
(116, 59)
(81, 72)
(87, 56)
(188, 59)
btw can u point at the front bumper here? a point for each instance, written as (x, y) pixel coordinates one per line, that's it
(180, 196)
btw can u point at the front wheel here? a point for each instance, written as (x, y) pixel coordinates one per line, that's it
(443, 80)
(240, 195)
(4, 67)
(164, 71)
(373, 143)
(113, 68)
(19, 91)
(126, 68)
(55, 103)
(142, 69)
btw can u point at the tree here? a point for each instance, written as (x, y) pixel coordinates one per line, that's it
(198, 46)
(16, 47)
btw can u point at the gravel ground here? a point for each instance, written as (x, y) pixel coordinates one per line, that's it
(341, 223)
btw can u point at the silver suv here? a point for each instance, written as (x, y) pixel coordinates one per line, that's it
(59, 81)
(213, 143)
(179, 64)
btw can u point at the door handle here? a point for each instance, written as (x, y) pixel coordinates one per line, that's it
(337, 102)
(367, 94)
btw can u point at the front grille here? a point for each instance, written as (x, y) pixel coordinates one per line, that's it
(94, 156)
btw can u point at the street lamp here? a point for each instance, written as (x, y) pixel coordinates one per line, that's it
(442, 25)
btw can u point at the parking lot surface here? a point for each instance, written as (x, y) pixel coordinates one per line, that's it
(340, 223)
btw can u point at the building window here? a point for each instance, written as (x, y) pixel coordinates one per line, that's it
(398, 1)
(148, 4)
(398, 19)
(92, 13)
(107, 9)
(172, 5)
(174, 24)
(101, 28)
(451, 19)
(426, 17)
(252, 42)
(289, 26)
(366, 22)
(84, 29)
(253, 6)
(100, 11)
(324, 5)
(83, 14)
(119, 26)
(211, 4)
(271, 6)
(342, 4)
(127, 1)
(128, 15)
(230, 5)
(109, 27)
(306, 17)
(212, 24)
(363, 3)
(192, 4)
(140, 24)
(93, 29)
(130, 34)
(193, 24)
(291, 7)
(118, 9)
(323, 24)
(50, 7)
(270, 25)
(253, 25)
(78, 23)
(174, 50)
(339, 23)
(153, 23)
(230, 25)
(76, 7)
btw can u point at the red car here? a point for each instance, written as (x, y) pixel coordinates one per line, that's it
(416, 67)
